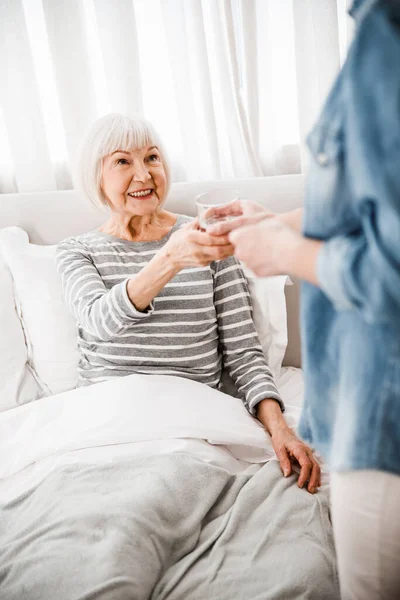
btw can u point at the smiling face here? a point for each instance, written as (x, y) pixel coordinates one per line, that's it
(134, 182)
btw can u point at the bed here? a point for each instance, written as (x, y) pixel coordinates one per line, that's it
(143, 486)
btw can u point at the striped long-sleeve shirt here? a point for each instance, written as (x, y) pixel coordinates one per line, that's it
(199, 323)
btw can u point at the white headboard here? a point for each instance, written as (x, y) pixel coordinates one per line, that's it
(49, 217)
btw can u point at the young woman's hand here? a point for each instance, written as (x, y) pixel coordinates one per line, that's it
(266, 247)
(246, 212)
(192, 247)
(240, 213)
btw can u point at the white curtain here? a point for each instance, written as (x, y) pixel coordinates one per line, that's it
(233, 86)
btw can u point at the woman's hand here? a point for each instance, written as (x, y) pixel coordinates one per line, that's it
(192, 247)
(266, 247)
(292, 453)
(272, 248)
(290, 450)
(245, 212)
(240, 213)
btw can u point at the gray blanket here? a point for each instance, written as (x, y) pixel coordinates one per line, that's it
(167, 527)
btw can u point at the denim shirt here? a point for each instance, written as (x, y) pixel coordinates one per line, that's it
(351, 323)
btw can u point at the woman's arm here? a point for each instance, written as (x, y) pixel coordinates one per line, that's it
(272, 248)
(288, 447)
(105, 313)
(187, 247)
(245, 212)
(101, 312)
(292, 219)
(144, 287)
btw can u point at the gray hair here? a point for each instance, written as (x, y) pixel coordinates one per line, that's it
(106, 135)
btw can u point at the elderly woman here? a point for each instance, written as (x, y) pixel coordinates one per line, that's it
(154, 294)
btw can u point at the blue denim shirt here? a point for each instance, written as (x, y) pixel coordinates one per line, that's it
(351, 323)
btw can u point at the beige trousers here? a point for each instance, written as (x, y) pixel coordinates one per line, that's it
(366, 526)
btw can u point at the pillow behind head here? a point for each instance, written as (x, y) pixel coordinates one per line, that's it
(49, 328)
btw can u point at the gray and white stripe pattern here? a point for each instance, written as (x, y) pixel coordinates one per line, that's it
(200, 322)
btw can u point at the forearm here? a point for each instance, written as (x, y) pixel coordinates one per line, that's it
(144, 287)
(299, 259)
(292, 219)
(270, 415)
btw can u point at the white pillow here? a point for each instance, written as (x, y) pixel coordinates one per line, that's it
(17, 383)
(49, 328)
(270, 320)
(269, 315)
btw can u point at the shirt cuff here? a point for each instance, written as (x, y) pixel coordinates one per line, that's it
(126, 305)
(330, 271)
(266, 395)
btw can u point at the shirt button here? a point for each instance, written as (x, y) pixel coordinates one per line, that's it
(322, 158)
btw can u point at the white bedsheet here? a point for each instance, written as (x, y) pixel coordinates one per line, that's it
(94, 425)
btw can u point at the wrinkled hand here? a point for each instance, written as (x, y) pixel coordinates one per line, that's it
(262, 246)
(240, 213)
(292, 452)
(192, 247)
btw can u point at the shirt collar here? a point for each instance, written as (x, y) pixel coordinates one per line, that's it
(359, 8)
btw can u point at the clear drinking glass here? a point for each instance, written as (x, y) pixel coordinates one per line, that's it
(207, 202)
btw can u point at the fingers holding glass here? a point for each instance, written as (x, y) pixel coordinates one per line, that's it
(212, 206)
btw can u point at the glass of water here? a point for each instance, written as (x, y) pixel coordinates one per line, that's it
(207, 203)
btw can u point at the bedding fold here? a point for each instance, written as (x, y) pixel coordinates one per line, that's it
(128, 409)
